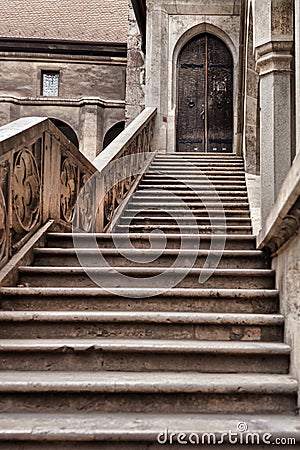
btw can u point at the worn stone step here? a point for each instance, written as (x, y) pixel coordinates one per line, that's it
(191, 197)
(146, 393)
(155, 240)
(174, 219)
(125, 431)
(214, 228)
(157, 212)
(144, 355)
(194, 183)
(182, 189)
(145, 325)
(193, 178)
(194, 173)
(196, 165)
(145, 277)
(254, 259)
(138, 299)
(138, 203)
(208, 161)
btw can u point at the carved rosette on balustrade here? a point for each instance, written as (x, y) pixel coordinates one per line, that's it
(26, 187)
(69, 189)
(74, 179)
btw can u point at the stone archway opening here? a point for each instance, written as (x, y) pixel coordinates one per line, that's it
(66, 130)
(112, 133)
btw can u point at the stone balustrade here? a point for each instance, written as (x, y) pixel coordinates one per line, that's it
(122, 162)
(42, 174)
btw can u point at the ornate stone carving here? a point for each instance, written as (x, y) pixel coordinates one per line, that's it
(26, 192)
(69, 189)
(86, 204)
(3, 227)
(109, 198)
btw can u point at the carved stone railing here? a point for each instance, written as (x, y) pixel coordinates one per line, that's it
(41, 175)
(121, 163)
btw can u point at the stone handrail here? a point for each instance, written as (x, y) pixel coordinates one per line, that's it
(116, 159)
(283, 221)
(41, 175)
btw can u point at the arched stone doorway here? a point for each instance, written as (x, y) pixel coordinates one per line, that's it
(204, 121)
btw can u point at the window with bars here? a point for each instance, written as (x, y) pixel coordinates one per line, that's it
(50, 84)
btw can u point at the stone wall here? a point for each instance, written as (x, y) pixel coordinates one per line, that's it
(135, 73)
(287, 266)
(91, 93)
(251, 122)
(170, 25)
(280, 233)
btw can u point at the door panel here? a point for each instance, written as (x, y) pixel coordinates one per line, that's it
(191, 97)
(205, 91)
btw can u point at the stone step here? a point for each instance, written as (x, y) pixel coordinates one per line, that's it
(174, 219)
(191, 197)
(247, 259)
(175, 189)
(141, 325)
(183, 155)
(243, 301)
(144, 240)
(224, 183)
(138, 203)
(202, 165)
(120, 431)
(194, 172)
(157, 212)
(194, 177)
(146, 393)
(144, 355)
(214, 228)
(207, 161)
(145, 277)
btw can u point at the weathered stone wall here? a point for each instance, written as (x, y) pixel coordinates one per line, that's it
(78, 77)
(251, 122)
(170, 25)
(91, 93)
(135, 73)
(287, 266)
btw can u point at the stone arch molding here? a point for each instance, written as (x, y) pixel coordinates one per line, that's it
(203, 27)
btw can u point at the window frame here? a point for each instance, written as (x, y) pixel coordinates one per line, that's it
(50, 72)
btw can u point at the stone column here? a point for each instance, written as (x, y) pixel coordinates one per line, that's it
(89, 124)
(157, 69)
(274, 64)
(135, 71)
(297, 70)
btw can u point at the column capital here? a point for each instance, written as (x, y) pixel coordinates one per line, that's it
(274, 56)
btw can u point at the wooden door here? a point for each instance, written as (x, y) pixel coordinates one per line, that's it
(205, 96)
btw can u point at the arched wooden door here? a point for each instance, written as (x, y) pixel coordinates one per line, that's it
(205, 96)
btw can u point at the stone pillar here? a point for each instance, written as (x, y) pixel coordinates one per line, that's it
(274, 64)
(135, 71)
(273, 43)
(156, 73)
(297, 70)
(89, 124)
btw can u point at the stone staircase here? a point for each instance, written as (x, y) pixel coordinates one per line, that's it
(110, 365)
